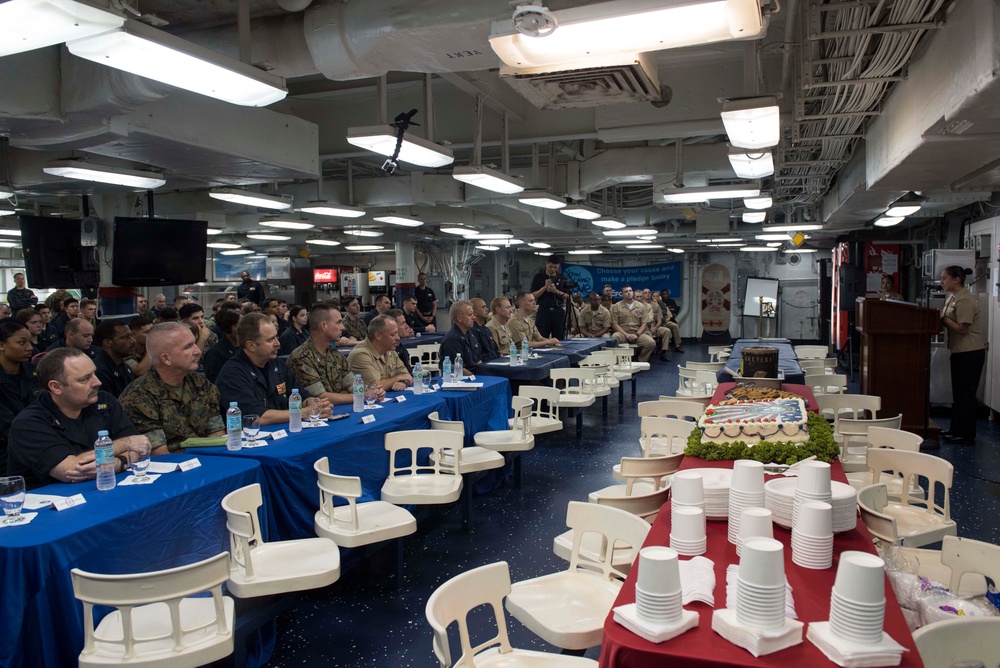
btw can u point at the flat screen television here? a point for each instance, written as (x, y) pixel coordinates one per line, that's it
(54, 256)
(158, 251)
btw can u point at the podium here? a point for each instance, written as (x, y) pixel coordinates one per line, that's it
(896, 359)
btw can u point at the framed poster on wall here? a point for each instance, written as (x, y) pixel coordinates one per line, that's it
(229, 267)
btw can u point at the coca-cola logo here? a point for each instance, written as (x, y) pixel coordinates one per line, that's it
(324, 275)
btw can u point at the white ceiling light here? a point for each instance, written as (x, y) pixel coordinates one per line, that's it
(738, 245)
(322, 208)
(144, 50)
(258, 200)
(774, 244)
(488, 179)
(415, 150)
(608, 223)
(288, 224)
(773, 237)
(84, 171)
(495, 236)
(363, 233)
(539, 244)
(631, 232)
(636, 246)
(541, 199)
(902, 210)
(458, 229)
(751, 164)
(9, 244)
(676, 250)
(586, 251)
(488, 248)
(364, 247)
(238, 251)
(322, 242)
(762, 201)
(213, 231)
(541, 254)
(267, 237)
(725, 240)
(597, 31)
(222, 245)
(799, 250)
(581, 211)
(754, 216)
(888, 221)
(756, 249)
(7, 212)
(513, 242)
(10, 233)
(795, 227)
(6, 192)
(752, 122)
(396, 219)
(32, 24)
(696, 194)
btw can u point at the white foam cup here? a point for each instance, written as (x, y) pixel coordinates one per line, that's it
(748, 476)
(815, 519)
(860, 577)
(814, 478)
(659, 570)
(688, 524)
(687, 489)
(763, 563)
(756, 523)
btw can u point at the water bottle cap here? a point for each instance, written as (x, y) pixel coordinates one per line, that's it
(295, 391)
(234, 404)
(103, 432)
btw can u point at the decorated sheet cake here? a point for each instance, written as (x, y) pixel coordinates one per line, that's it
(754, 421)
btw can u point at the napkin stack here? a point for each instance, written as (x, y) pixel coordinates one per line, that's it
(628, 616)
(731, 592)
(886, 652)
(756, 641)
(698, 581)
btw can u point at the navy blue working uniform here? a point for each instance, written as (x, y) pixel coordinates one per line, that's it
(114, 377)
(456, 342)
(256, 390)
(217, 356)
(16, 392)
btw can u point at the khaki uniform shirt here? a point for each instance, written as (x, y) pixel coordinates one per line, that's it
(521, 328)
(501, 334)
(364, 359)
(962, 307)
(320, 372)
(355, 327)
(630, 319)
(168, 415)
(592, 322)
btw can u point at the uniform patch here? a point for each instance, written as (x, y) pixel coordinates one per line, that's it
(281, 389)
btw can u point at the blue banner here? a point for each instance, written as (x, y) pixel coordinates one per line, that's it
(653, 276)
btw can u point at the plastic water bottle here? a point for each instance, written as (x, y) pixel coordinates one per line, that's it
(234, 427)
(104, 454)
(446, 369)
(359, 393)
(418, 378)
(457, 370)
(295, 412)
(525, 354)
(513, 354)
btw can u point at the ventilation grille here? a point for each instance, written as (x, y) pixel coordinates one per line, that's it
(634, 81)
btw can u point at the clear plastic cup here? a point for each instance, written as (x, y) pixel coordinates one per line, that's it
(763, 563)
(659, 571)
(861, 578)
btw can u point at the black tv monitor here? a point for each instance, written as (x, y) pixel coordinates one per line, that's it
(158, 251)
(54, 256)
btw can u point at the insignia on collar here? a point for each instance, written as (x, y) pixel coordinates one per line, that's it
(102, 407)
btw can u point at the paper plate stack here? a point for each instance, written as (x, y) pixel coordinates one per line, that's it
(779, 498)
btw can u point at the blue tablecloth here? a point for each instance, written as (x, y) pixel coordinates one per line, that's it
(534, 369)
(174, 521)
(357, 449)
(575, 350)
(787, 360)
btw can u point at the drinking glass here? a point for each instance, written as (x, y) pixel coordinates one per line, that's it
(371, 394)
(140, 460)
(251, 427)
(12, 498)
(313, 409)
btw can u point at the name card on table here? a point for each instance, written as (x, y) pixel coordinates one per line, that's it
(368, 419)
(189, 464)
(472, 377)
(68, 502)
(435, 386)
(134, 480)
(400, 399)
(281, 433)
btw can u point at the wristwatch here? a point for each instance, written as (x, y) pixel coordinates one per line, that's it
(125, 463)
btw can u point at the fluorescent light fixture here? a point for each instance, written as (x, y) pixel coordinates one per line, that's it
(381, 139)
(288, 224)
(259, 200)
(7, 212)
(752, 122)
(9, 244)
(794, 227)
(754, 216)
(889, 221)
(212, 231)
(513, 242)
(363, 247)
(144, 50)
(222, 245)
(396, 219)
(492, 236)
(895, 210)
(541, 199)
(773, 237)
(609, 223)
(458, 229)
(488, 248)
(6, 192)
(774, 244)
(238, 251)
(533, 244)
(10, 233)
(542, 254)
(79, 170)
(268, 237)
(488, 179)
(762, 201)
(631, 232)
(363, 233)
(695, 194)
(704, 241)
(756, 249)
(751, 164)
(606, 29)
(322, 208)
(799, 250)
(581, 211)
(586, 251)
(726, 240)
(645, 246)
(623, 242)
(32, 24)
(322, 242)
(676, 250)
(739, 245)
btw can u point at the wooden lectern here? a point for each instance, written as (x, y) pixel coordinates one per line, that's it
(896, 359)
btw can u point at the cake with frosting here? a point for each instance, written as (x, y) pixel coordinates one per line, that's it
(777, 420)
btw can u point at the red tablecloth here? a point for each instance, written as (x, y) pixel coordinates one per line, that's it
(702, 647)
(803, 391)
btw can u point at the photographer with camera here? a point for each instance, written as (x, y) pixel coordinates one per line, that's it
(551, 289)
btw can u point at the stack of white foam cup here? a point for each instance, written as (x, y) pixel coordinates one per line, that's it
(687, 531)
(760, 598)
(812, 536)
(746, 491)
(813, 484)
(658, 586)
(754, 523)
(857, 604)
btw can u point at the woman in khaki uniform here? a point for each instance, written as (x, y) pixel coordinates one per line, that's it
(960, 316)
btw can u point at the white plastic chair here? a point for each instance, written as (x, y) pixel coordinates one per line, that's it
(950, 642)
(545, 409)
(642, 475)
(704, 400)
(429, 356)
(811, 352)
(720, 353)
(704, 366)
(626, 358)
(664, 435)
(158, 620)
(854, 406)
(413, 482)
(451, 603)
(575, 391)
(604, 380)
(620, 374)
(852, 434)
(568, 609)
(355, 524)
(261, 569)
(826, 383)
(516, 440)
(897, 439)
(682, 409)
(474, 459)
